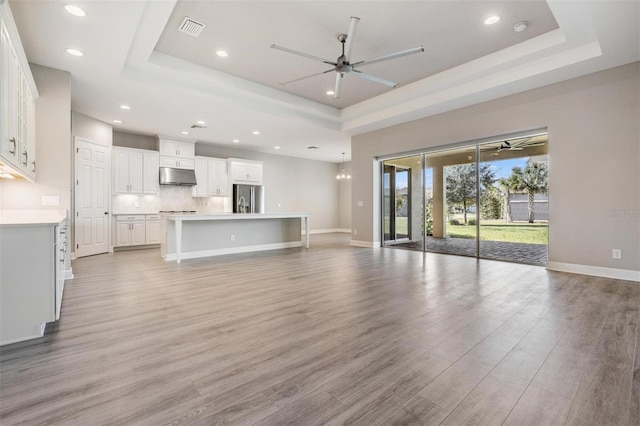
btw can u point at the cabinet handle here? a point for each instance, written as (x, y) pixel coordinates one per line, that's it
(33, 166)
(26, 158)
(13, 141)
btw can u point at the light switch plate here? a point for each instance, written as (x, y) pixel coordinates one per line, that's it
(50, 200)
(616, 254)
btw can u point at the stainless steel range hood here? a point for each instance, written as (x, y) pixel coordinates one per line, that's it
(171, 176)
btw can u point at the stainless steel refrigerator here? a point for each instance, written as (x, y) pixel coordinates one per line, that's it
(248, 198)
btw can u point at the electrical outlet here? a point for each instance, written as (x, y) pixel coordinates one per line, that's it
(360, 203)
(136, 204)
(233, 237)
(355, 232)
(616, 254)
(50, 200)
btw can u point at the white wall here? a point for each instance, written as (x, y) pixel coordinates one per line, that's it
(594, 157)
(53, 146)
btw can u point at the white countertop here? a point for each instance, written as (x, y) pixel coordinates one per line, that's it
(32, 217)
(236, 216)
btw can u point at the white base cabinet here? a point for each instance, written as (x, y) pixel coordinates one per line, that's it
(152, 226)
(32, 271)
(130, 230)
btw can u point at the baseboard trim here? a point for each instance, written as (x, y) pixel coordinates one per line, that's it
(367, 244)
(232, 250)
(597, 271)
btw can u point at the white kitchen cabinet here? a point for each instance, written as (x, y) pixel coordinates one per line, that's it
(130, 230)
(178, 163)
(245, 171)
(127, 171)
(212, 177)
(176, 148)
(150, 166)
(177, 154)
(17, 105)
(33, 250)
(152, 229)
(135, 171)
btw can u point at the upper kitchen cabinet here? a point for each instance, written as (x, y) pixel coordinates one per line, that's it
(151, 167)
(245, 171)
(211, 175)
(178, 154)
(135, 171)
(17, 103)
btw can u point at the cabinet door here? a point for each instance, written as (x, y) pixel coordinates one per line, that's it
(120, 171)
(135, 172)
(123, 234)
(240, 171)
(151, 180)
(137, 233)
(30, 128)
(186, 163)
(152, 232)
(218, 177)
(168, 147)
(255, 172)
(186, 149)
(202, 173)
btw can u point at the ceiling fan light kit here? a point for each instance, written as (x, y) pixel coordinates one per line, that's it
(343, 64)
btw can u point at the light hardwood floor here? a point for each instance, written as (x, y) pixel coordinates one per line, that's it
(329, 335)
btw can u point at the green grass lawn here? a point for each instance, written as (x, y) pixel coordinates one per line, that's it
(493, 230)
(496, 230)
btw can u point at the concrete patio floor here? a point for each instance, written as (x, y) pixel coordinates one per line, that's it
(535, 254)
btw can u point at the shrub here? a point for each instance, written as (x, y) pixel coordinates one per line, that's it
(454, 222)
(472, 221)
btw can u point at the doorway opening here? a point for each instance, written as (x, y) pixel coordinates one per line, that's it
(485, 199)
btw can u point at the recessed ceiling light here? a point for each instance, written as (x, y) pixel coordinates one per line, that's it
(75, 10)
(276, 147)
(520, 26)
(117, 121)
(222, 53)
(236, 141)
(184, 132)
(491, 20)
(125, 107)
(330, 92)
(74, 52)
(200, 122)
(255, 132)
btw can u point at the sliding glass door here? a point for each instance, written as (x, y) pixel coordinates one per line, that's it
(487, 200)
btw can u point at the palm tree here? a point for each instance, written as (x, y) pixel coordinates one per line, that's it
(533, 179)
(508, 186)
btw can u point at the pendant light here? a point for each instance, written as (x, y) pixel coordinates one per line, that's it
(343, 174)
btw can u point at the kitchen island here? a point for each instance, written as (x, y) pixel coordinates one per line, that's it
(204, 235)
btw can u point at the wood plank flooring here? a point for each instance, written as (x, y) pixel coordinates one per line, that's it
(330, 335)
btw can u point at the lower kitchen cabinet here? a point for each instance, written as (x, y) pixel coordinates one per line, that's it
(152, 229)
(33, 252)
(130, 230)
(137, 230)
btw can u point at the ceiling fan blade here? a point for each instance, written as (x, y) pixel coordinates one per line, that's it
(390, 56)
(336, 92)
(353, 29)
(304, 78)
(519, 142)
(374, 78)
(304, 55)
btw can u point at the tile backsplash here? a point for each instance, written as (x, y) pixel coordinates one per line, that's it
(170, 198)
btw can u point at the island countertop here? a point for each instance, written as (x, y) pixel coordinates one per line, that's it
(236, 216)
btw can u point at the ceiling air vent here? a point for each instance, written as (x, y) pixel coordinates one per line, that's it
(191, 27)
(198, 126)
(312, 147)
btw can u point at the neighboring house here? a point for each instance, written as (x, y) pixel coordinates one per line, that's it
(520, 206)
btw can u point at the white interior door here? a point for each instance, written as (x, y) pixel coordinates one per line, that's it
(92, 199)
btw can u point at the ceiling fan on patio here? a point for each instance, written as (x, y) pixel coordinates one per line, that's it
(516, 145)
(343, 64)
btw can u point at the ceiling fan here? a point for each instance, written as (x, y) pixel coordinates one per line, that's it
(517, 145)
(343, 64)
